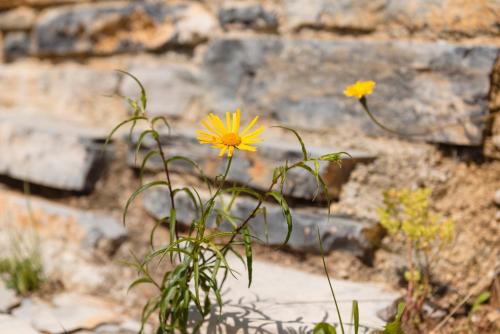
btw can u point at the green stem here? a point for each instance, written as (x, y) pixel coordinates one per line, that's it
(221, 185)
(330, 282)
(368, 112)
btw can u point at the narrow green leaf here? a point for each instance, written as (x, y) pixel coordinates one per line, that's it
(302, 146)
(193, 163)
(276, 174)
(324, 328)
(143, 91)
(355, 316)
(163, 119)
(148, 156)
(394, 327)
(190, 195)
(481, 299)
(248, 252)
(138, 192)
(141, 280)
(196, 274)
(284, 170)
(334, 157)
(132, 119)
(139, 143)
(286, 212)
(221, 256)
(153, 230)
(244, 190)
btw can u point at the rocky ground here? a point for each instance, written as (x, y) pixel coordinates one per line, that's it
(90, 267)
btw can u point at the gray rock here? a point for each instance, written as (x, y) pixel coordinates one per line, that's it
(434, 18)
(21, 18)
(8, 299)
(49, 153)
(16, 44)
(10, 324)
(285, 300)
(437, 90)
(336, 232)
(68, 312)
(255, 169)
(109, 28)
(66, 91)
(248, 15)
(172, 89)
(55, 221)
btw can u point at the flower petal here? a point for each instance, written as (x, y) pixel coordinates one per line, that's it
(236, 121)
(222, 151)
(254, 133)
(217, 123)
(249, 126)
(228, 121)
(246, 147)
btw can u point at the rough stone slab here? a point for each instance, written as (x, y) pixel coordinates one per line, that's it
(67, 313)
(47, 153)
(172, 89)
(337, 232)
(21, 18)
(55, 221)
(35, 3)
(10, 325)
(247, 15)
(126, 327)
(68, 92)
(8, 299)
(255, 169)
(430, 18)
(16, 45)
(438, 89)
(284, 300)
(107, 28)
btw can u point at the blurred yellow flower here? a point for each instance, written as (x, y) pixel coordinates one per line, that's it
(360, 89)
(227, 137)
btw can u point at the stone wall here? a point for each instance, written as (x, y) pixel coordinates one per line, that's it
(435, 63)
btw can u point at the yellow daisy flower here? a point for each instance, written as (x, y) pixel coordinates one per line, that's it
(360, 89)
(227, 137)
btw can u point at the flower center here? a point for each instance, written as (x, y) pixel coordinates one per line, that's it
(231, 139)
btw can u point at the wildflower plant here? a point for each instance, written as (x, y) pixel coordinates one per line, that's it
(21, 267)
(198, 257)
(406, 214)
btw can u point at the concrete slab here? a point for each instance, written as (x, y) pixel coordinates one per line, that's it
(284, 300)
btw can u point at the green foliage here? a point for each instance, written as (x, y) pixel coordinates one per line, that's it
(406, 214)
(480, 300)
(324, 328)
(22, 274)
(198, 264)
(407, 211)
(395, 326)
(20, 265)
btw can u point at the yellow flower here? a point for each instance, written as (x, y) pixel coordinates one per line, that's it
(227, 137)
(360, 89)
